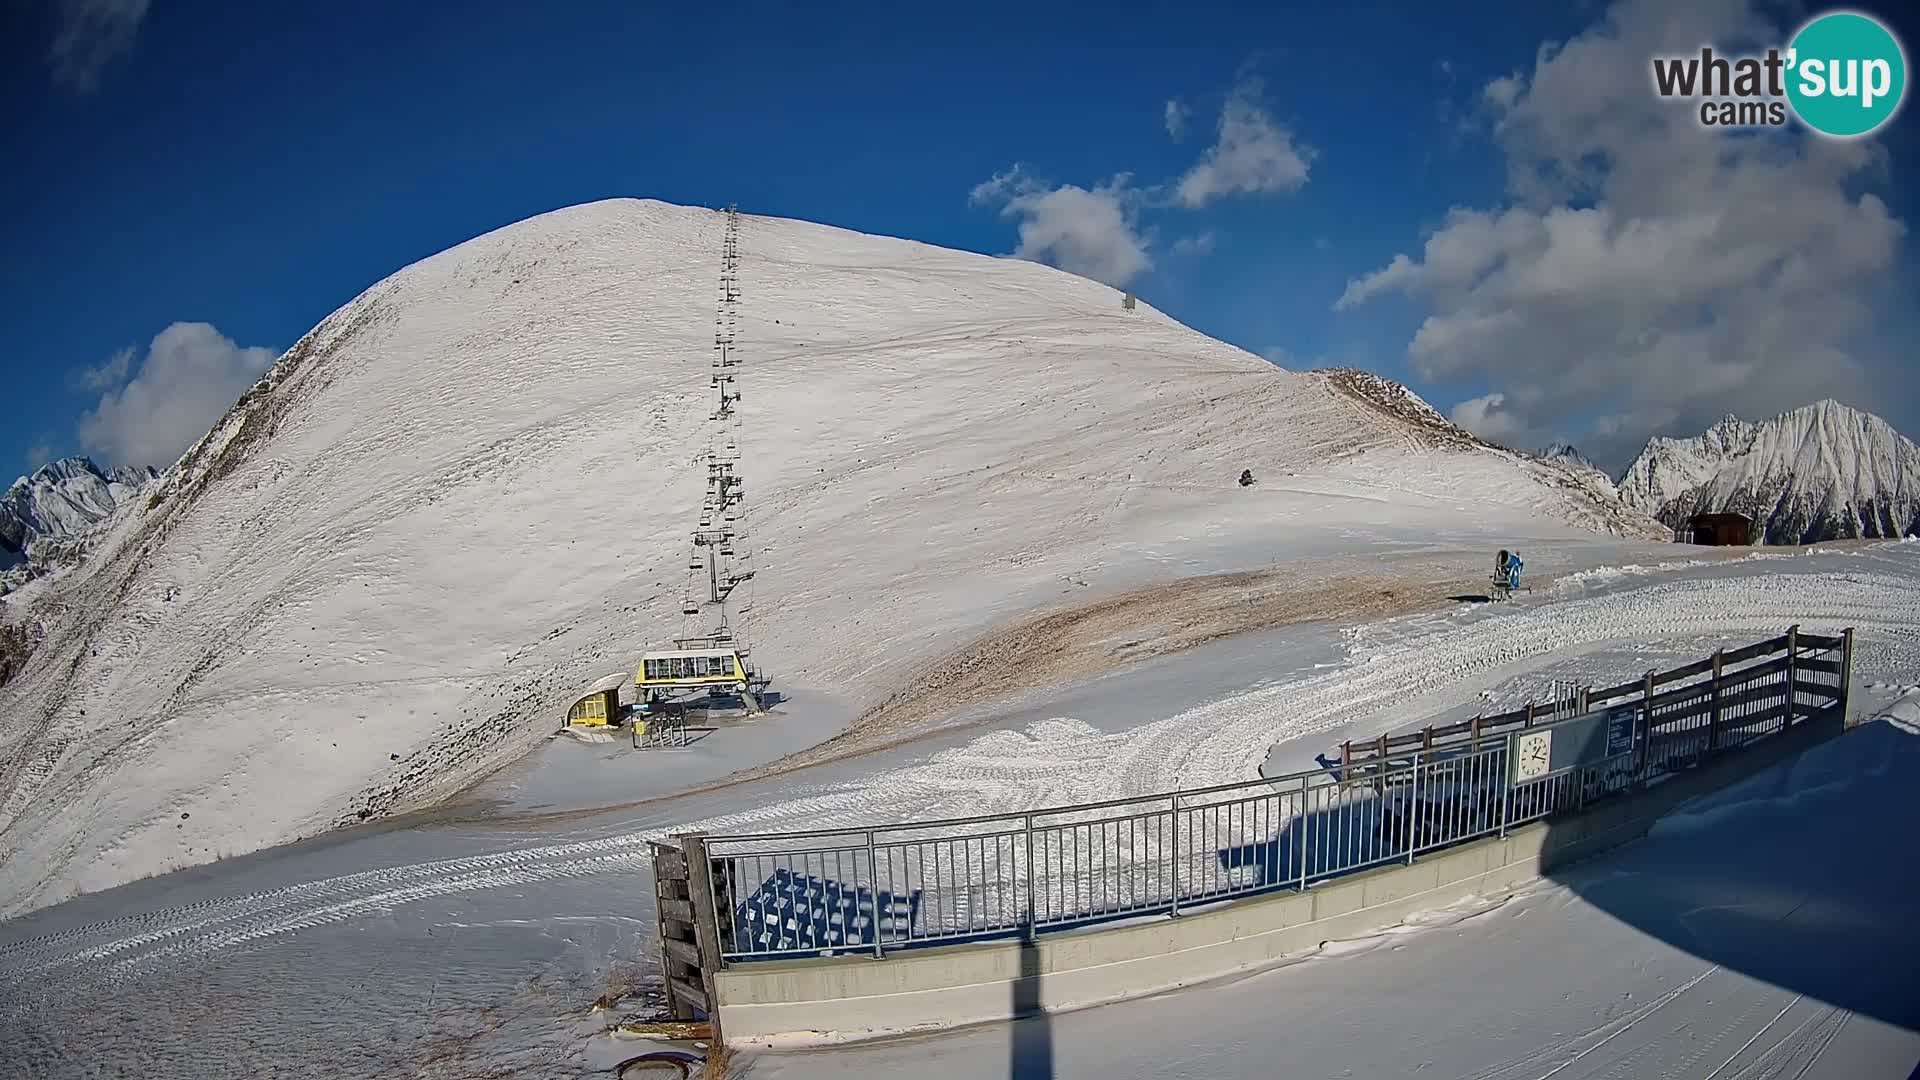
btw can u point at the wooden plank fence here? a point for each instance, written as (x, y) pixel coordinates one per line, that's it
(689, 949)
(1361, 761)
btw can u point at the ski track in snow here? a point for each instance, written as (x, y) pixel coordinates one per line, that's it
(1062, 761)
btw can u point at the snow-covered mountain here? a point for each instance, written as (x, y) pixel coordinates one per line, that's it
(62, 499)
(1570, 456)
(1820, 472)
(1591, 501)
(466, 494)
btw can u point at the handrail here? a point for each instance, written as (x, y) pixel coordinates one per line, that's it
(1633, 689)
(878, 888)
(1415, 741)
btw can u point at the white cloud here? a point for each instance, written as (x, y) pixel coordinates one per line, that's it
(1201, 243)
(1097, 233)
(1177, 116)
(90, 35)
(1646, 271)
(1502, 92)
(39, 454)
(1489, 417)
(191, 375)
(1091, 233)
(1252, 154)
(104, 375)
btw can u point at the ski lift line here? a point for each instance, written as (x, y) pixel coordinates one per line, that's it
(721, 552)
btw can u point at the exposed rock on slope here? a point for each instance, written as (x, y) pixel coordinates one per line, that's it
(1569, 455)
(1590, 498)
(1820, 472)
(1395, 400)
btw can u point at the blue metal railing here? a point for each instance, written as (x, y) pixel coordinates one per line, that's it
(891, 887)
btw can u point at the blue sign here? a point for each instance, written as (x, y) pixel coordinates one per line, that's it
(1622, 724)
(1571, 744)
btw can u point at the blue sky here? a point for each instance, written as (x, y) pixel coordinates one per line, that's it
(253, 166)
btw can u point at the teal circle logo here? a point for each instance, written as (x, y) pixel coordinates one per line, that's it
(1847, 74)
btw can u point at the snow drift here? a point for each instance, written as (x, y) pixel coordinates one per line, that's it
(1821, 472)
(465, 494)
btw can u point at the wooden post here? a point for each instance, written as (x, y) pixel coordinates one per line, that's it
(1846, 676)
(1380, 767)
(1793, 642)
(1713, 718)
(668, 876)
(1475, 736)
(706, 923)
(1528, 722)
(1346, 762)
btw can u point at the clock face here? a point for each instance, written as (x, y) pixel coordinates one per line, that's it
(1533, 751)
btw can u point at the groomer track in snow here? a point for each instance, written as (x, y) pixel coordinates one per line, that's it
(1434, 659)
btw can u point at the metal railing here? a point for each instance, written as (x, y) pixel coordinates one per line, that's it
(891, 887)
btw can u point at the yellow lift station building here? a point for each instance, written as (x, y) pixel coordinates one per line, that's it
(600, 707)
(692, 669)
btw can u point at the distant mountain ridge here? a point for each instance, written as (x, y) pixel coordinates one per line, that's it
(1569, 455)
(62, 500)
(1824, 471)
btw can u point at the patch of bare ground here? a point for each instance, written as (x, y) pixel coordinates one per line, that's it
(15, 645)
(1391, 399)
(509, 1041)
(723, 1064)
(1055, 647)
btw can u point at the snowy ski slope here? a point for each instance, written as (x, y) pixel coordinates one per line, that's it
(463, 496)
(450, 918)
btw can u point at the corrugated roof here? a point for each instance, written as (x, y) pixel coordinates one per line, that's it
(669, 654)
(607, 682)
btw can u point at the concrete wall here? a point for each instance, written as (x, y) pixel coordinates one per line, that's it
(838, 999)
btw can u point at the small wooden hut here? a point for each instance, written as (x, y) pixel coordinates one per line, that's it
(1721, 529)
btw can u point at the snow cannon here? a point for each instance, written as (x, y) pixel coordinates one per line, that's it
(1506, 575)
